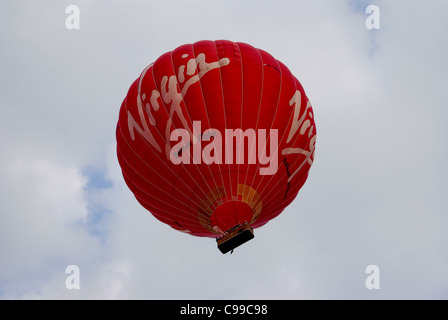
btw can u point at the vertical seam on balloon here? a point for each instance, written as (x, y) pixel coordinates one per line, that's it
(241, 115)
(261, 99)
(225, 117)
(268, 136)
(186, 110)
(225, 125)
(284, 132)
(259, 108)
(208, 118)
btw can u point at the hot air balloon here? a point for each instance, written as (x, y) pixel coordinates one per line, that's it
(215, 139)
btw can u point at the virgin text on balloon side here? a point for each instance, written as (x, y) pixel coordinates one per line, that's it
(220, 147)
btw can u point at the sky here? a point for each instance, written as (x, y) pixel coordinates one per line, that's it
(376, 193)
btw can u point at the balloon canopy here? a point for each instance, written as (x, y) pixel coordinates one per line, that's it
(215, 135)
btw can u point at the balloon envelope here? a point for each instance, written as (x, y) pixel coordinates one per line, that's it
(215, 134)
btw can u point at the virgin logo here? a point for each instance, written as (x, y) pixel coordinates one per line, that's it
(232, 150)
(225, 147)
(172, 93)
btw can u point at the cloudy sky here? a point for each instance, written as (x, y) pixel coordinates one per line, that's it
(376, 194)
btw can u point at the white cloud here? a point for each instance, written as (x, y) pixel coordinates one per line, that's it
(61, 189)
(44, 211)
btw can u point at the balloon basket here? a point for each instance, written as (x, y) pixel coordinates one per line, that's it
(234, 238)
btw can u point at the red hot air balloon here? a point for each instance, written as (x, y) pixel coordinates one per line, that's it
(215, 139)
